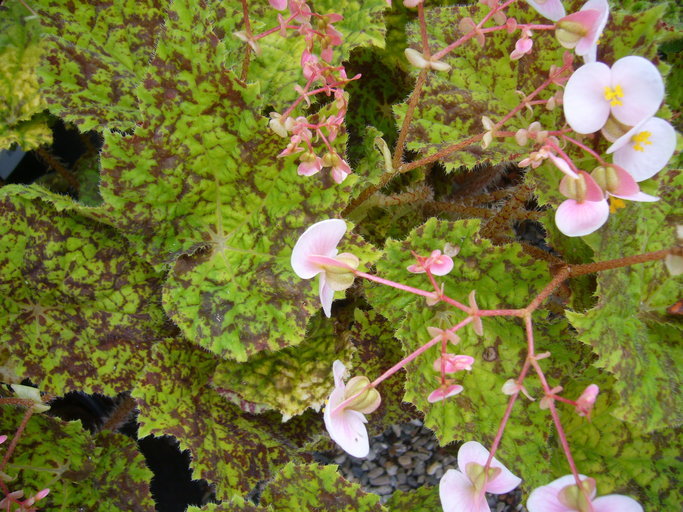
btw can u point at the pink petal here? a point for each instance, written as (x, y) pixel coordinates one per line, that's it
(562, 165)
(457, 494)
(310, 168)
(280, 5)
(640, 197)
(593, 190)
(588, 44)
(320, 239)
(338, 370)
(616, 503)
(473, 451)
(585, 107)
(580, 219)
(654, 157)
(454, 363)
(627, 185)
(347, 429)
(551, 9)
(326, 295)
(642, 86)
(441, 394)
(544, 499)
(441, 265)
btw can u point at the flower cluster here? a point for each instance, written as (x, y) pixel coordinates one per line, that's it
(312, 138)
(13, 500)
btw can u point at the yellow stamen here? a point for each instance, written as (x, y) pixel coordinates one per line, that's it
(615, 204)
(613, 95)
(641, 138)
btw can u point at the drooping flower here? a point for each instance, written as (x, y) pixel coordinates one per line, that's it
(447, 389)
(551, 9)
(512, 387)
(523, 46)
(451, 363)
(315, 254)
(339, 169)
(563, 495)
(631, 90)
(585, 403)
(437, 263)
(585, 210)
(419, 61)
(346, 425)
(279, 5)
(309, 164)
(581, 30)
(477, 324)
(462, 489)
(645, 149)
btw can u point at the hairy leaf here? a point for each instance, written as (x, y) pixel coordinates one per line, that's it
(423, 499)
(104, 472)
(622, 458)
(200, 187)
(95, 56)
(629, 328)
(313, 487)
(80, 309)
(503, 277)
(175, 399)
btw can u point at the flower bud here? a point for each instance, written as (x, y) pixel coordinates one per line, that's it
(369, 399)
(572, 497)
(569, 32)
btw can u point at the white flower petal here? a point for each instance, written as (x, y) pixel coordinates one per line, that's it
(585, 107)
(320, 239)
(642, 86)
(616, 503)
(580, 219)
(457, 494)
(653, 157)
(551, 9)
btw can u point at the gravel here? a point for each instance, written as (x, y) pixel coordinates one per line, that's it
(407, 457)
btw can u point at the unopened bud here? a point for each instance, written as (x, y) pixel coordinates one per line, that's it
(569, 33)
(369, 399)
(340, 278)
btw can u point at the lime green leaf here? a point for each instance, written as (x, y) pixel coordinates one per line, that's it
(83, 472)
(95, 56)
(292, 379)
(622, 458)
(504, 277)
(628, 328)
(200, 186)
(80, 308)
(300, 487)
(175, 399)
(20, 98)
(424, 499)
(236, 503)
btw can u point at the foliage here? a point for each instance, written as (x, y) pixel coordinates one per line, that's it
(169, 277)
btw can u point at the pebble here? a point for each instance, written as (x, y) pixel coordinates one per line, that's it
(407, 457)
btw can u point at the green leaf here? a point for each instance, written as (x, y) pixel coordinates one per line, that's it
(300, 487)
(278, 69)
(629, 328)
(199, 187)
(104, 472)
(95, 56)
(236, 503)
(484, 81)
(424, 499)
(227, 447)
(80, 308)
(21, 101)
(622, 458)
(503, 277)
(293, 379)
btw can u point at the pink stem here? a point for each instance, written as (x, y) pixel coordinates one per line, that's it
(399, 286)
(563, 155)
(585, 148)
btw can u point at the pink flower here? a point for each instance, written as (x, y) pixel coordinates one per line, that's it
(645, 149)
(444, 391)
(563, 495)
(581, 30)
(584, 405)
(616, 182)
(453, 363)
(462, 489)
(346, 425)
(315, 254)
(631, 91)
(551, 9)
(310, 164)
(339, 168)
(279, 5)
(438, 264)
(522, 47)
(585, 210)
